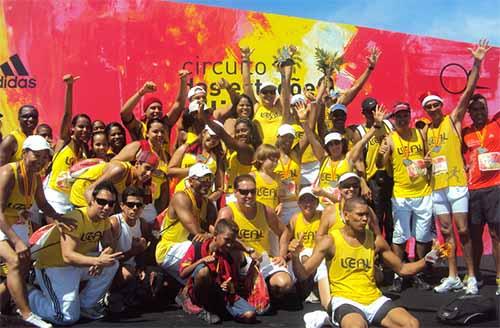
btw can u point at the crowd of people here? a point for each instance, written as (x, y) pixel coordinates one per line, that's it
(270, 201)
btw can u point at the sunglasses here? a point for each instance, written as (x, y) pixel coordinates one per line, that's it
(349, 186)
(205, 179)
(26, 116)
(104, 202)
(433, 105)
(268, 92)
(245, 192)
(134, 204)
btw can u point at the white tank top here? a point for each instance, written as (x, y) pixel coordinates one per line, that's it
(126, 234)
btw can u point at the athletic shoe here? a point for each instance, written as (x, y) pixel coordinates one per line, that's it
(479, 280)
(93, 313)
(471, 288)
(312, 298)
(208, 317)
(184, 301)
(36, 321)
(397, 285)
(449, 284)
(420, 283)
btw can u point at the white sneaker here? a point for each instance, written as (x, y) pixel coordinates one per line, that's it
(37, 321)
(449, 284)
(471, 288)
(312, 298)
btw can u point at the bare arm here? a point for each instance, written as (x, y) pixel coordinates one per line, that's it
(174, 166)
(384, 152)
(316, 146)
(7, 182)
(327, 219)
(113, 172)
(180, 101)
(278, 228)
(183, 208)
(324, 249)
(65, 130)
(245, 71)
(286, 75)
(8, 148)
(357, 150)
(128, 153)
(393, 261)
(478, 54)
(126, 113)
(221, 114)
(347, 97)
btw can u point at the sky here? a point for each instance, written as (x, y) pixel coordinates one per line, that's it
(458, 20)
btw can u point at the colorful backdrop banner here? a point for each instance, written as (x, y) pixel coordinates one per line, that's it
(116, 46)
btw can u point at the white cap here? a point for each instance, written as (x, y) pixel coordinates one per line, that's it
(286, 129)
(267, 85)
(307, 191)
(430, 98)
(199, 170)
(210, 131)
(336, 107)
(36, 143)
(195, 105)
(332, 136)
(346, 176)
(196, 90)
(297, 99)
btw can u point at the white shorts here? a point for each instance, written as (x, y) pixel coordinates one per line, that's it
(268, 269)
(173, 258)
(230, 198)
(412, 218)
(58, 200)
(309, 172)
(451, 200)
(288, 210)
(369, 310)
(321, 271)
(149, 213)
(20, 229)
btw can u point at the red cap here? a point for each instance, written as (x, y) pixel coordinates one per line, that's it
(149, 101)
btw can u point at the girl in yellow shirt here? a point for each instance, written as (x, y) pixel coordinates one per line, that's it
(267, 182)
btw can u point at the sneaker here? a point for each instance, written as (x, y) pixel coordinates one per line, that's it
(397, 285)
(471, 287)
(420, 283)
(208, 317)
(93, 313)
(449, 284)
(184, 301)
(479, 281)
(37, 321)
(312, 298)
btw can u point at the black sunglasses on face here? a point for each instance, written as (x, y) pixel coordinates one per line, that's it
(245, 192)
(104, 202)
(432, 106)
(349, 186)
(134, 204)
(26, 116)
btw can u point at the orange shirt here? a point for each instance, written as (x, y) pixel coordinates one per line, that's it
(483, 151)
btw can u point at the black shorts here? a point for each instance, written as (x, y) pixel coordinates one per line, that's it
(484, 206)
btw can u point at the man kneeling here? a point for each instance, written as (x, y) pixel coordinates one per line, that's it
(61, 267)
(214, 276)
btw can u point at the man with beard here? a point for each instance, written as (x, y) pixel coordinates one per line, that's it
(483, 160)
(188, 216)
(11, 146)
(405, 150)
(256, 222)
(61, 266)
(448, 180)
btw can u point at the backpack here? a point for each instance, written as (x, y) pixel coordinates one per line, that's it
(466, 309)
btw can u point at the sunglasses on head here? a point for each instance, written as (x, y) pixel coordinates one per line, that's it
(104, 202)
(134, 204)
(245, 192)
(433, 105)
(353, 185)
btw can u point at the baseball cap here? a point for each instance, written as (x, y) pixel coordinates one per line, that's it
(195, 105)
(430, 96)
(347, 176)
(336, 107)
(369, 104)
(400, 106)
(196, 90)
(36, 143)
(210, 131)
(307, 191)
(198, 170)
(286, 129)
(267, 85)
(297, 99)
(149, 157)
(332, 136)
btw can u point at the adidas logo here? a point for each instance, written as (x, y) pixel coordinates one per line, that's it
(11, 80)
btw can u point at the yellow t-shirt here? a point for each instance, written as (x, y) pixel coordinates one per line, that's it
(329, 173)
(267, 192)
(351, 271)
(158, 179)
(253, 233)
(61, 164)
(307, 228)
(20, 137)
(308, 155)
(372, 149)
(289, 173)
(173, 231)
(189, 160)
(88, 232)
(17, 200)
(408, 166)
(339, 222)
(234, 169)
(267, 122)
(446, 152)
